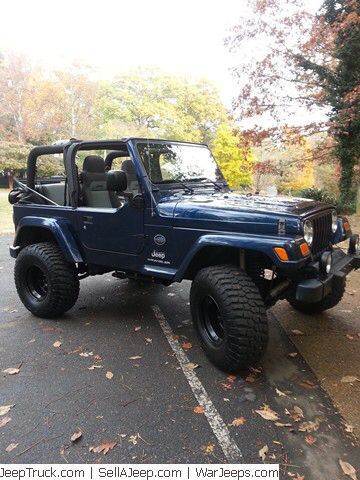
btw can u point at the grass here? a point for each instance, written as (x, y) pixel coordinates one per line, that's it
(6, 222)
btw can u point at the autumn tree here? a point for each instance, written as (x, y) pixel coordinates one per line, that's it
(308, 63)
(235, 159)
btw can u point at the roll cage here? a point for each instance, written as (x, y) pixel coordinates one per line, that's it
(118, 148)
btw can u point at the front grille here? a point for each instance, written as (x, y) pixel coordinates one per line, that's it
(322, 232)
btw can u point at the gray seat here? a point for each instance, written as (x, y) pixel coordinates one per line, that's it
(132, 180)
(94, 188)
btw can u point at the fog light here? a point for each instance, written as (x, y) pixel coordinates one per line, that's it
(325, 263)
(354, 244)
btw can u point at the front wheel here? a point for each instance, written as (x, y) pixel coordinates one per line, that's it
(229, 316)
(46, 284)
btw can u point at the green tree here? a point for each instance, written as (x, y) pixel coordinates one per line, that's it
(235, 160)
(161, 105)
(14, 156)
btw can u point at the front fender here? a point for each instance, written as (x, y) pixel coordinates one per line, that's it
(257, 243)
(60, 229)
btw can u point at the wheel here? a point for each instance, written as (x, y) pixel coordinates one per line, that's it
(46, 284)
(327, 302)
(229, 316)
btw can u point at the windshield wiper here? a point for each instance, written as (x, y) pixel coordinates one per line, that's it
(216, 185)
(176, 180)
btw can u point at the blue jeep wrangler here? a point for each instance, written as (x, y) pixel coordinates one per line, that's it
(162, 211)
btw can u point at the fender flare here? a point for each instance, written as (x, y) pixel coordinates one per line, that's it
(60, 229)
(257, 243)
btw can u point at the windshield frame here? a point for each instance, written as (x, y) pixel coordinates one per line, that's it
(172, 184)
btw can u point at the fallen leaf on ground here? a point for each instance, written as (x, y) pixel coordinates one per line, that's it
(292, 354)
(198, 409)
(297, 332)
(348, 469)
(231, 378)
(237, 422)
(11, 447)
(57, 344)
(310, 439)
(76, 436)
(250, 379)
(137, 329)
(5, 409)
(187, 346)
(350, 337)
(103, 448)
(86, 354)
(280, 393)
(209, 449)
(349, 428)
(109, 375)
(226, 386)
(279, 424)
(268, 414)
(135, 357)
(308, 384)
(97, 357)
(95, 366)
(310, 426)
(4, 421)
(296, 414)
(349, 379)
(12, 371)
(134, 439)
(192, 366)
(263, 452)
(148, 340)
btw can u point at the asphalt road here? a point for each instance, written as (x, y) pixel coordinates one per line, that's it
(147, 407)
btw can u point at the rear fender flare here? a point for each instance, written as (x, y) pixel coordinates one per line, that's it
(60, 230)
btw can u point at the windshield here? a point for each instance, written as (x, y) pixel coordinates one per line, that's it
(169, 163)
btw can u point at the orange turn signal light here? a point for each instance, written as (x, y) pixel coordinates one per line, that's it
(281, 253)
(305, 250)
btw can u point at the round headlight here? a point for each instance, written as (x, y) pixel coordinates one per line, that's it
(308, 231)
(334, 221)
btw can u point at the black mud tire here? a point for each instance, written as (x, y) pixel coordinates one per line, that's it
(326, 303)
(238, 338)
(47, 285)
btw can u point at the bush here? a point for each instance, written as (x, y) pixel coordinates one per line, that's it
(317, 194)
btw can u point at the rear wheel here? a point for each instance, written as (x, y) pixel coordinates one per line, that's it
(229, 316)
(46, 284)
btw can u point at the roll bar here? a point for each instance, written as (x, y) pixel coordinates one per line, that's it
(33, 156)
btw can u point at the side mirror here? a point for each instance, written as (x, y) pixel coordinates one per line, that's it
(116, 180)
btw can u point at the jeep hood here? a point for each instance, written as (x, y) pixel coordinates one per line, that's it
(231, 205)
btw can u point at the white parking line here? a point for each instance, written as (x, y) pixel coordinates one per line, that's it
(217, 424)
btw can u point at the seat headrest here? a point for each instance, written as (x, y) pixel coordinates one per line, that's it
(94, 164)
(127, 166)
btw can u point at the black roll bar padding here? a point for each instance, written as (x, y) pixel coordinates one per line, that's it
(32, 158)
(110, 157)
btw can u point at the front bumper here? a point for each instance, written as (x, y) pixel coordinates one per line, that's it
(313, 290)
